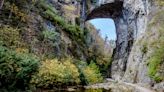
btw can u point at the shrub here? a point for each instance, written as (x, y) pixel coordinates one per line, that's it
(54, 73)
(144, 49)
(44, 5)
(50, 35)
(91, 73)
(18, 13)
(16, 69)
(10, 37)
(18, 10)
(55, 18)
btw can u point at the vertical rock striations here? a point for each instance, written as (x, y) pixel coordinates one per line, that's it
(130, 27)
(131, 55)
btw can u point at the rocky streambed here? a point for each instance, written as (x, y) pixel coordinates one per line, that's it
(119, 86)
(108, 85)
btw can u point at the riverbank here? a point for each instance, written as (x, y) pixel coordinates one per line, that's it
(119, 86)
(108, 85)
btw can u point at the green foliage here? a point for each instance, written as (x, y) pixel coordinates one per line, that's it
(98, 50)
(16, 69)
(55, 18)
(77, 20)
(46, 6)
(154, 63)
(10, 37)
(51, 35)
(156, 60)
(56, 73)
(90, 74)
(144, 48)
(18, 66)
(73, 30)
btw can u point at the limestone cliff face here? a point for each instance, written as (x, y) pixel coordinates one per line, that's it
(130, 27)
(70, 9)
(130, 62)
(138, 66)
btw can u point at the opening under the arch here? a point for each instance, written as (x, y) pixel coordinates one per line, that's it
(106, 26)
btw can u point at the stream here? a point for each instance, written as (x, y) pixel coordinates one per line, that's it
(109, 85)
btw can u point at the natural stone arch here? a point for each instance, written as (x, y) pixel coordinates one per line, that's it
(109, 10)
(131, 26)
(114, 10)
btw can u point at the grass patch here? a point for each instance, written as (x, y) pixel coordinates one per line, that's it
(155, 62)
(157, 45)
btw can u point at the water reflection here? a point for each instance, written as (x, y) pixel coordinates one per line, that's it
(78, 90)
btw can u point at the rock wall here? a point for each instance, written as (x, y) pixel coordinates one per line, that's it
(70, 9)
(132, 18)
(130, 27)
(138, 68)
(129, 60)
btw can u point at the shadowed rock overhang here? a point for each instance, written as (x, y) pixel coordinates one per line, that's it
(109, 10)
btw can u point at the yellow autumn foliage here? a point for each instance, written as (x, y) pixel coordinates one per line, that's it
(92, 74)
(22, 50)
(55, 73)
(18, 13)
(10, 37)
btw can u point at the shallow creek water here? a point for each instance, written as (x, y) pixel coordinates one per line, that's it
(77, 90)
(108, 86)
